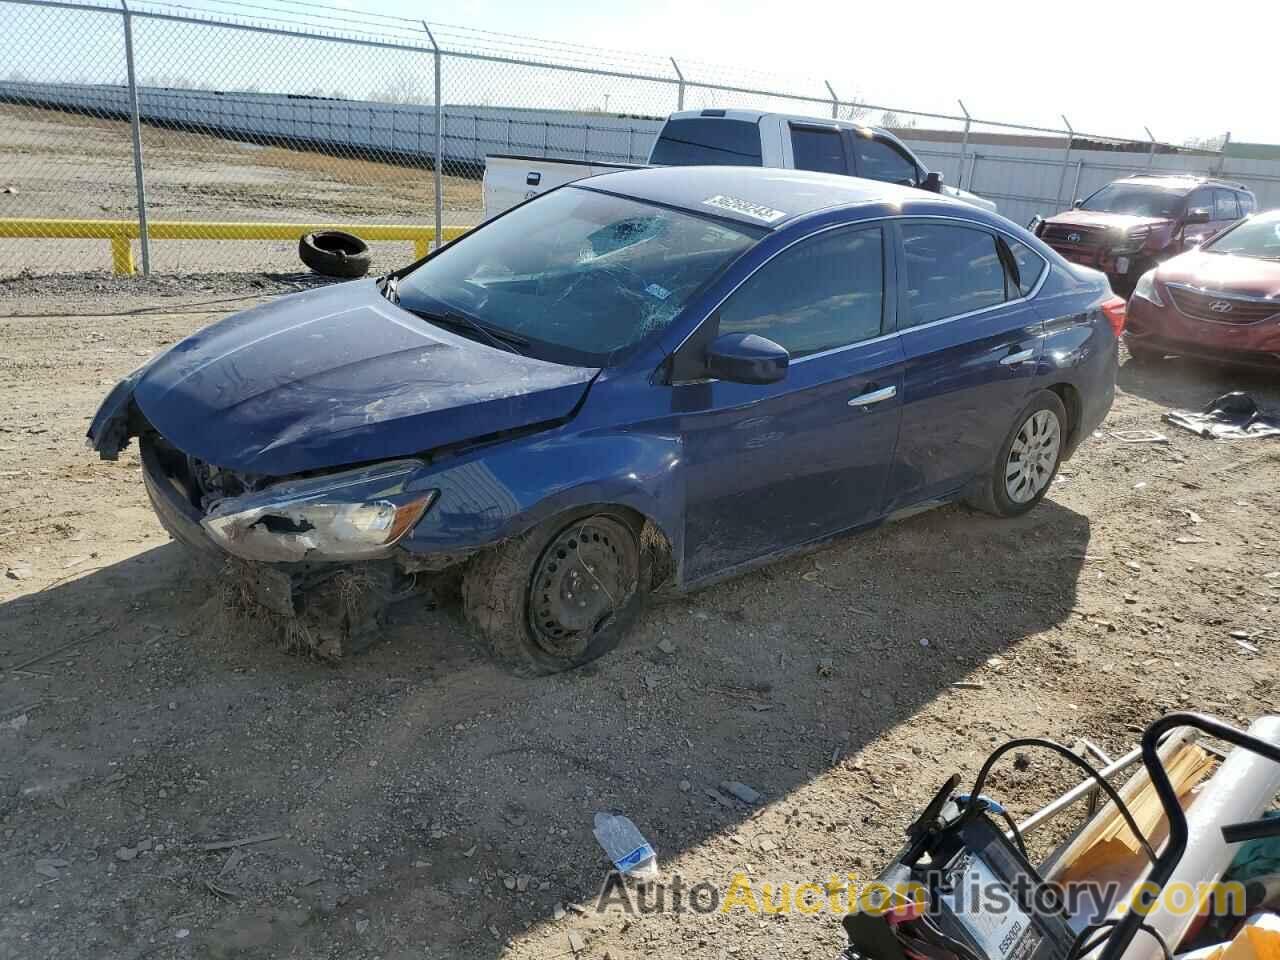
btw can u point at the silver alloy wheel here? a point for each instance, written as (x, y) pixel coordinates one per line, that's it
(1033, 456)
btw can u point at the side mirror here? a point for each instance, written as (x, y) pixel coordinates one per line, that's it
(932, 182)
(1197, 215)
(746, 358)
(1077, 203)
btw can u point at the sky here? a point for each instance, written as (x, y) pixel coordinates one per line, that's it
(1185, 70)
(1112, 66)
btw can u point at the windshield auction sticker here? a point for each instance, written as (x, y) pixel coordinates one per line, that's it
(756, 211)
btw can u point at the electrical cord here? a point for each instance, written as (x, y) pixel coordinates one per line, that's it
(1080, 949)
(975, 795)
(1017, 834)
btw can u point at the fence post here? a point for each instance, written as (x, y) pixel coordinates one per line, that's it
(964, 145)
(835, 101)
(1075, 188)
(135, 124)
(1222, 154)
(1151, 157)
(1066, 158)
(439, 157)
(680, 87)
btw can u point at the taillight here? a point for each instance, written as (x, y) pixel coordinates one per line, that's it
(1114, 308)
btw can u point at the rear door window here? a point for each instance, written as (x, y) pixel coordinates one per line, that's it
(1224, 205)
(950, 270)
(705, 141)
(815, 148)
(1246, 203)
(880, 160)
(822, 293)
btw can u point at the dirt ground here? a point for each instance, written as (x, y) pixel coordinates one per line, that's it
(64, 165)
(416, 801)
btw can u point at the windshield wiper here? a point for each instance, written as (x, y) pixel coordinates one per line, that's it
(458, 320)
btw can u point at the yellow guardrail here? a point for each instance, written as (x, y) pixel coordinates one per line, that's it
(121, 233)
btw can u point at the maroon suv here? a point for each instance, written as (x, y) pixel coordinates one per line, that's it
(1220, 302)
(1130, 225)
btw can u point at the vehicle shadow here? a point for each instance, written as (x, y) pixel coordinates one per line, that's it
(1181, 383)
(414, 786)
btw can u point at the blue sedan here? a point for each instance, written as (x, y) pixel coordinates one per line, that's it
(655, 378)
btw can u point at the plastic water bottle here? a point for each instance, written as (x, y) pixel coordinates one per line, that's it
(622, 842)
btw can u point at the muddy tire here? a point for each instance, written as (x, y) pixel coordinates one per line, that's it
(560, 595)
(1028, 459)
(332, 253)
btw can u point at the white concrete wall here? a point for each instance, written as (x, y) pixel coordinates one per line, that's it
(1023, 180)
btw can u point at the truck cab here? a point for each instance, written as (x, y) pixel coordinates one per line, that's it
(751, 138)
(740, 138)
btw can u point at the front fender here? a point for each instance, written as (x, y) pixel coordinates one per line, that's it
(501, 493)
(112, 426)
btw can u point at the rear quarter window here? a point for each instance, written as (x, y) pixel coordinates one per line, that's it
(1030, 265)
(706, 141)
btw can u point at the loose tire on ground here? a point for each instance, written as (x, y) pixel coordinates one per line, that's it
(333, 253)
(1037, 458)
(560, 595)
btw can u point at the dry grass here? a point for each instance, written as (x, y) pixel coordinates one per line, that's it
(322, 629)
(29, 135)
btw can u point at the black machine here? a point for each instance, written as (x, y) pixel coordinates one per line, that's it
(964, 890)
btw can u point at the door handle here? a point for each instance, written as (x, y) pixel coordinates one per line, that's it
(1019, 357)
(874, 396)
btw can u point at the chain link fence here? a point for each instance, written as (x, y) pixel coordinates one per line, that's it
(167, 138)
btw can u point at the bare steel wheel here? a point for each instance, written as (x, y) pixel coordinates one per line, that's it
(579, 583)
(1033, 456)
(1023, 469)
(562, 594)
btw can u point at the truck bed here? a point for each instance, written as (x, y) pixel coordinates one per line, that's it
(511, 178)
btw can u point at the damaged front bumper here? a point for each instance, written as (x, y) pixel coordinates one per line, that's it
(316, 558)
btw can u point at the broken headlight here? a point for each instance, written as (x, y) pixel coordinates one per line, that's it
(355, 515)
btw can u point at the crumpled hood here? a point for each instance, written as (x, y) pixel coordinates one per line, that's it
(338, 376)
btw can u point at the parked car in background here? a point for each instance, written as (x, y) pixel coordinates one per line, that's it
(1130, 225)
(699, 138)
(1218, 302)
(658, 375)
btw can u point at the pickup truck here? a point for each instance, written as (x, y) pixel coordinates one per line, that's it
(734, 138)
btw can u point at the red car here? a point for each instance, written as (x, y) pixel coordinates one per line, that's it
(1130, 225)
(1220, 301)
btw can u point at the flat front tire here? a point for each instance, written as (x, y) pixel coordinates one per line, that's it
(560, 595)
(1028, 459)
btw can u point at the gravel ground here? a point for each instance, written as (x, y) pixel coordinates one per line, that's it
(416, 801)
